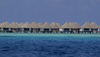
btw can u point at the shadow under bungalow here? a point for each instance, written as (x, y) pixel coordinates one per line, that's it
(70, 28)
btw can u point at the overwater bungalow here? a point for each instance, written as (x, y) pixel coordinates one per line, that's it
(75, 28)
(46, 28)
(25, 27)
(71, 28)
(54, 27)
(35, 28)
(86, 28)
(66, 28)
(15, 28)
(4, 27)
(94, 27)
(40, 25)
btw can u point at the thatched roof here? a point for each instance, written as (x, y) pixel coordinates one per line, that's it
(4, 25)
(75, 25)
(54, 25)
(34, 25)
(94, 25)
(86, 25)
(40, 25)
(14, 25)
(25, 25)
(20, 25)
(58, 25)
(66, 25)
(46, 25)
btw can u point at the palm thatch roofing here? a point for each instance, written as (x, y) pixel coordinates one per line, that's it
(75, 25)
(66, 25)
(25, 25)
(34, 25)
(58, 25)
(46, 25)
(86, 25)
(94, 25)
(54, 25)
(20, 25)
(40, 25)
(4, 25)
(14, 25)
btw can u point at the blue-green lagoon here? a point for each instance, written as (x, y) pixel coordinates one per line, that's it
(49, 45)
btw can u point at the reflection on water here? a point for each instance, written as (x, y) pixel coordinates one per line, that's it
(49, 47)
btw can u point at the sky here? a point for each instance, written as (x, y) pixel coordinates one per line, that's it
(60, 11)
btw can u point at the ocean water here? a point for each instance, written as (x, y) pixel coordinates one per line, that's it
(49, 45)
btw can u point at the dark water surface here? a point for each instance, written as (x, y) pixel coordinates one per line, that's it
(49, 46)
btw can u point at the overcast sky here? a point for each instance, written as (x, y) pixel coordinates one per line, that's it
(50, 11)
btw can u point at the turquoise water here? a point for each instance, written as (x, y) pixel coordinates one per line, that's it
(49, 45)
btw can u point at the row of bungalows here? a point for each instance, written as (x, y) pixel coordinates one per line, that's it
(49, 28)
(85, 28)
(90, 28)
